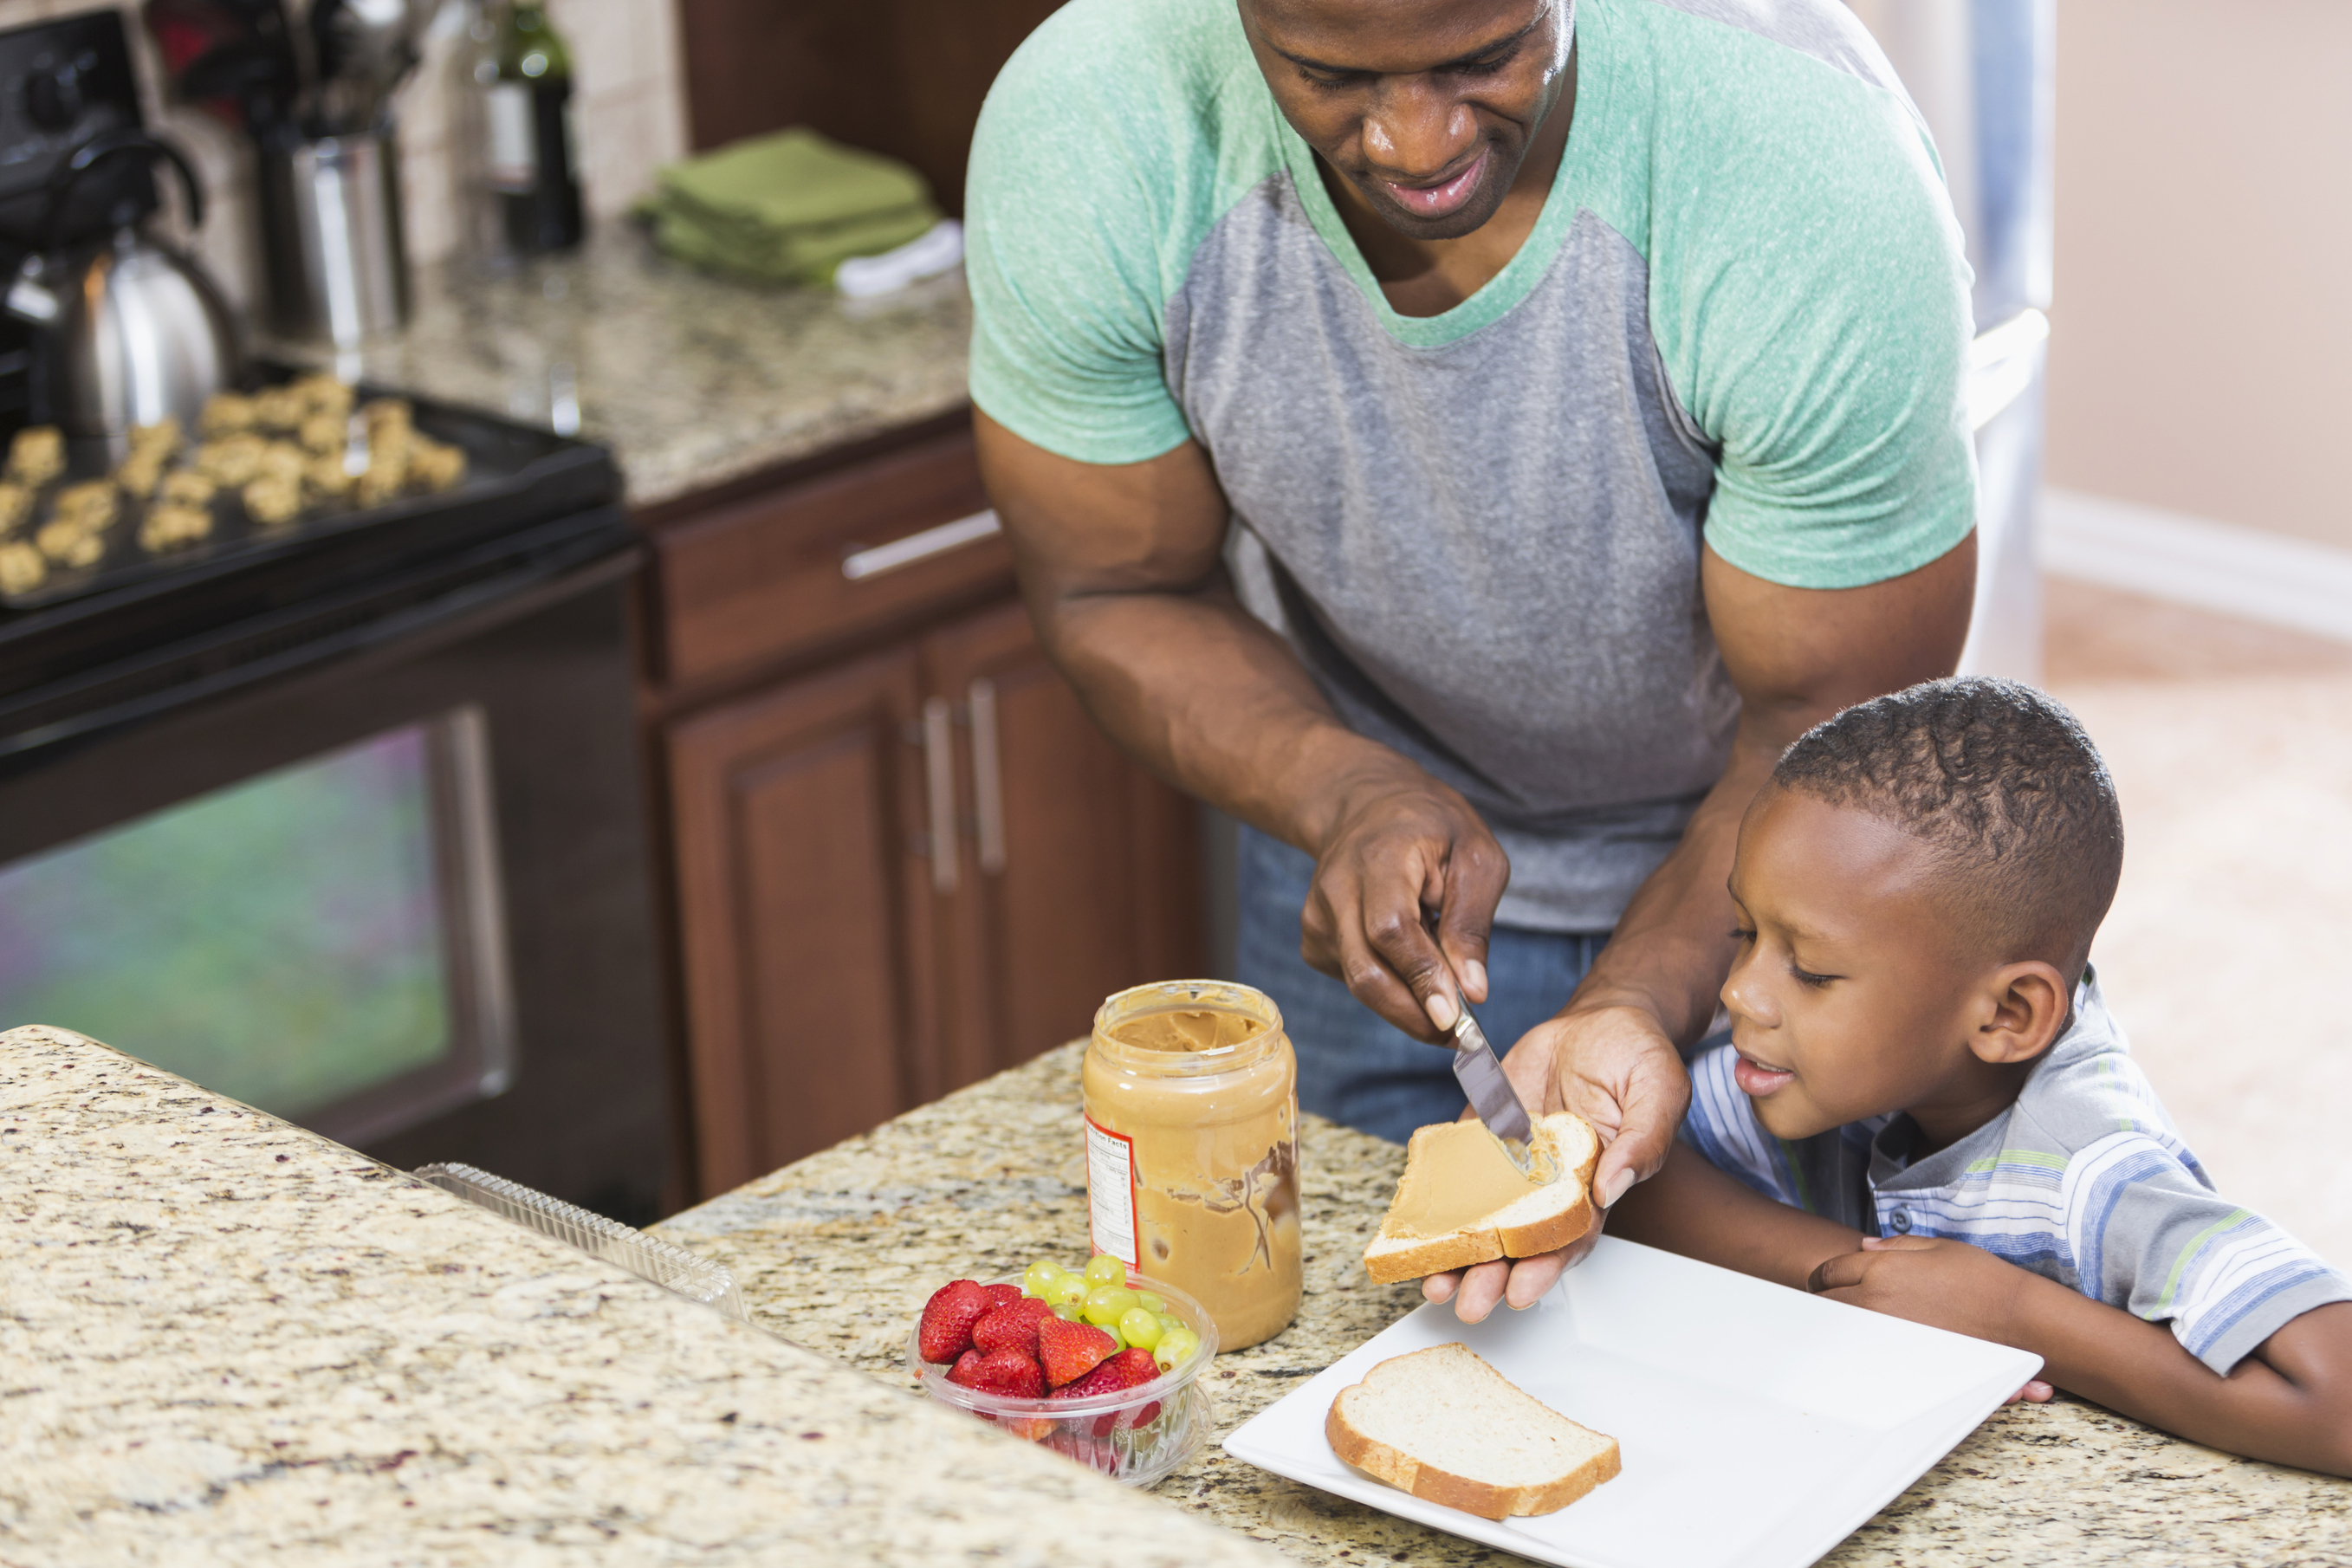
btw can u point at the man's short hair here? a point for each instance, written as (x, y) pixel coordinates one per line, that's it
(2002, 782)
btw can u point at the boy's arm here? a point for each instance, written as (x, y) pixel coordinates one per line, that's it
(2290, 1402)
(1691, 1207)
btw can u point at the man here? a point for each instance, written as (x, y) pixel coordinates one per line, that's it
(1466, 440)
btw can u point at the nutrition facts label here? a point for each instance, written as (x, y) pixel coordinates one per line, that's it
(1110, 1193)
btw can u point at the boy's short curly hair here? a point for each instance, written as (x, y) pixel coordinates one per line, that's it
(2002, 782)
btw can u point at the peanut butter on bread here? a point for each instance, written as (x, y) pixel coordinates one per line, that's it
(1461, 1201)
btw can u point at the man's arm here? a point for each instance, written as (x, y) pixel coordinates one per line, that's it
(1122, 569)
(2290, 1402)
(1797, 656)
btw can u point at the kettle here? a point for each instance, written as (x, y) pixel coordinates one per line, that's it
(130, 331)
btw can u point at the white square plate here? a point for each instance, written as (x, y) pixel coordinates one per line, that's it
(1757, 1426)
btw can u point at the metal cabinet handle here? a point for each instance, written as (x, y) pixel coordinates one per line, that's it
(938, 792)
(987, 777)
(859, 566)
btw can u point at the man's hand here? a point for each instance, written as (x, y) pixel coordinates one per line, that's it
(1942, 1283)
(1403, 900)
(1616, 1069)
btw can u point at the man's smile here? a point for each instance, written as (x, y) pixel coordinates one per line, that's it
(1447, 196)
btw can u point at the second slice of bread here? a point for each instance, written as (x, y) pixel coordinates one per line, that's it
(1461, 1203)
(1446, 1427)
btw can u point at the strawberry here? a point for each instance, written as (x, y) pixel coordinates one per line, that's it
(1008, 1372)
(1012, 1328)
(1002, 1295)
(947, 1318)
(1070, 1351)
(1128, 1368)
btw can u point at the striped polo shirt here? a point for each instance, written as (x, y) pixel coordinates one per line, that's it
(2083, 1180)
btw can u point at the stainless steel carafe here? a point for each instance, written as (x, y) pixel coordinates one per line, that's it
(131, 330)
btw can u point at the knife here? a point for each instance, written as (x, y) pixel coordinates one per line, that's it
(1497, 1102)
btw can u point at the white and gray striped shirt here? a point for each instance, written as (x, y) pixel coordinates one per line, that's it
(2083, 1180)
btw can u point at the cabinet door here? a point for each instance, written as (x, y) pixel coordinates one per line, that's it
(805, 914)
(1080, 873)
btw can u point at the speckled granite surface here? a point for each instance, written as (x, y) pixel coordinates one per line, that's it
(840, 1249)
(692, 379)
(223, 1338)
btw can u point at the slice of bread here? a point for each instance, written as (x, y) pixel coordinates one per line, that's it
(1446, 1427)
(1463, 1202)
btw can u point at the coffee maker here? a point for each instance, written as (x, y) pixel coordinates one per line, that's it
(64, 84)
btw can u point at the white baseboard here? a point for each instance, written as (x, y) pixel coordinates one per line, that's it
(2242, 572)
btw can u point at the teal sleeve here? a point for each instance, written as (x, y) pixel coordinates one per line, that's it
(1817, 323)
(1062, 255)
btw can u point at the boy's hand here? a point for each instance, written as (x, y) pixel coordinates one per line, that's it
(1943, 1284)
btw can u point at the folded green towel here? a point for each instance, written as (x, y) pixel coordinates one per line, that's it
(802, 256)
(787, 207)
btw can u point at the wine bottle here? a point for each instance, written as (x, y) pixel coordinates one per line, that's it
(531, 163)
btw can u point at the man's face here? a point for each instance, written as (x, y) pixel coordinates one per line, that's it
(1848, 995)
(1427, 107)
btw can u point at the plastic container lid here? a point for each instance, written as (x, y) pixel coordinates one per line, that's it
(649, 1258)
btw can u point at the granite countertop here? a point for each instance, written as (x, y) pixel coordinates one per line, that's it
(840, 1250)
(222, 1336)
(693, 380)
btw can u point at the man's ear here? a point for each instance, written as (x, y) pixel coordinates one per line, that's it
(2029, 1004)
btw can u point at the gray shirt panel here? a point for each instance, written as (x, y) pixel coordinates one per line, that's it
(1486, 551)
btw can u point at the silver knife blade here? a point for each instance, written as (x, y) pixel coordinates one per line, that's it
(1491, 1094)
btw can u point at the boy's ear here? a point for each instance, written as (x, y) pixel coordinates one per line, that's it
(2029, 1006)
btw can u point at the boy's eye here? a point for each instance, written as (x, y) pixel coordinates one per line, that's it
(1742, 935)
(1806, 977)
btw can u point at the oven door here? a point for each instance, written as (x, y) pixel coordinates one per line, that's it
(400, 899)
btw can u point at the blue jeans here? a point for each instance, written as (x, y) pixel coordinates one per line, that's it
(1353, 1066)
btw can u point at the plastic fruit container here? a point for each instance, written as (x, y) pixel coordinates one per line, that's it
(1119, 1434)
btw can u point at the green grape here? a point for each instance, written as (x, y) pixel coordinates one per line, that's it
(1118, 1340)
(1108, 1303)
(1042, 1275)
(1065, 1311)
(1069, 1290)
(1153, 1302)
(1170, 1323)
(1175, 1348)
(1102, 1269)
(1139, 1328)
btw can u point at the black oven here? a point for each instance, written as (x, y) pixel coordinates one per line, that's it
(350, 830)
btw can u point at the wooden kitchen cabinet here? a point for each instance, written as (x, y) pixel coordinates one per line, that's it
(1080, 874)
(799, 912)
(902, 857)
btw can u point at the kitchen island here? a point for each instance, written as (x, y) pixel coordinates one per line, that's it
(839, 1250)
(223, 1337)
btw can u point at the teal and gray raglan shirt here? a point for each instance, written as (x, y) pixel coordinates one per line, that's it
(1742, 321)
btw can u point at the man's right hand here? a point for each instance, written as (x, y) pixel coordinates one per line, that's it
(1404, 898)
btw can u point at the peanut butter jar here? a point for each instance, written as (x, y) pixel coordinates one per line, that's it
(1192, 1102)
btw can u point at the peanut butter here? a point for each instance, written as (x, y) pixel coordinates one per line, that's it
(1456, 1177)
(1193, 1149)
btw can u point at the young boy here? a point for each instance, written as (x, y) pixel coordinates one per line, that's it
(1926, 1108)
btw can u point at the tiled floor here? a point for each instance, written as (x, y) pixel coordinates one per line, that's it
(2230, 946)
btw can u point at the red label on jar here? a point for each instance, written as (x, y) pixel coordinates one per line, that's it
(1110, 1194)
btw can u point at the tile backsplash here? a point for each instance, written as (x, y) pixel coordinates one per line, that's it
(630, 109)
